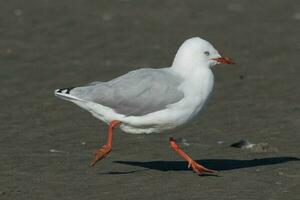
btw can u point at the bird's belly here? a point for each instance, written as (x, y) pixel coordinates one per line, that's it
(170, 118)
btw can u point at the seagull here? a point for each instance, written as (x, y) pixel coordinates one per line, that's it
(151, 100)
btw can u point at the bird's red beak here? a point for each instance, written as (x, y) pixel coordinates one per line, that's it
(224, 60)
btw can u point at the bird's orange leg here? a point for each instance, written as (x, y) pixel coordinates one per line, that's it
(195, 166)
(105, 149)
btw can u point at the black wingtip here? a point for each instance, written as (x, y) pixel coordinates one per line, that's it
(67, 90)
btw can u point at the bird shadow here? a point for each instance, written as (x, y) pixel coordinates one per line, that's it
(216, 164)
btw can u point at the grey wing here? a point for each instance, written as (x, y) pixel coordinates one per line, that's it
(136, 93)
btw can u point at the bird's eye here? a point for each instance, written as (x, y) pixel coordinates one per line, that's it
(206, 53)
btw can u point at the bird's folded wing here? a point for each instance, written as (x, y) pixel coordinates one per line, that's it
(136, 93)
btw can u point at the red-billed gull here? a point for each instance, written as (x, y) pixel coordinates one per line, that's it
(153, 100)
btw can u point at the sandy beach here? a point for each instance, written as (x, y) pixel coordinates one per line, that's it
(46, 143)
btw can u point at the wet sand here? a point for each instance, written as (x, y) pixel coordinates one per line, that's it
(46, 143)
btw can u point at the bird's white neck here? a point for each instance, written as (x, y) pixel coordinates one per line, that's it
(188, 70)
(197, 87)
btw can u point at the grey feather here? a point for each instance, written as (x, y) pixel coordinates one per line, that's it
(136, 93)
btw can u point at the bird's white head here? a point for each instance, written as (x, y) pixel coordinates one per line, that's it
(198, 53)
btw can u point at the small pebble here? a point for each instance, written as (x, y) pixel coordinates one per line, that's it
(256, 148)
(243, 144)
(56, 151)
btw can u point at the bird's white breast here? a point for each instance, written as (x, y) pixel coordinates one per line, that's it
(197, 89)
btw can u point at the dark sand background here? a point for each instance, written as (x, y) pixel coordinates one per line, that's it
(48, 44)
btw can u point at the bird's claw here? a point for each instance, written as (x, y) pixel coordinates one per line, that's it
(199, 168)
(100, 154)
